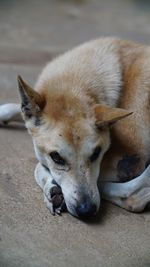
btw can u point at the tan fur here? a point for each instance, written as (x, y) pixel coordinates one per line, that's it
(133, 134)
(106, 72)
(107, 116)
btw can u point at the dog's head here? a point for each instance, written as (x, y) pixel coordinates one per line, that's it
(70, 137)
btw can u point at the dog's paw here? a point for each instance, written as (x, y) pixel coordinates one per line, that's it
(56, 203)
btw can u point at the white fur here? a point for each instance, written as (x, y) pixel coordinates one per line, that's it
(133, 195)
(75, 174)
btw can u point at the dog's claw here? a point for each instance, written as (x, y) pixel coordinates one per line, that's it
(56, 200)
(58, 211)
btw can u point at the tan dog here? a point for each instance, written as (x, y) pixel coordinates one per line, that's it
(71, 116)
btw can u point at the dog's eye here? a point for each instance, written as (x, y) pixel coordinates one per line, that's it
(57, 158)
(95, 154)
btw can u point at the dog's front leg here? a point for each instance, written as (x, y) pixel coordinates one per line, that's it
(10, 112)
(133, 195)
(53, 196)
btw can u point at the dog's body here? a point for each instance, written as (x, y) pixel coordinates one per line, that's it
(78, 96)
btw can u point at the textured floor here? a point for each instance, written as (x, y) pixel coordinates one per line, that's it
(32, 32)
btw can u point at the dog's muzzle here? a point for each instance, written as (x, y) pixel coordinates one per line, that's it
(82, 202)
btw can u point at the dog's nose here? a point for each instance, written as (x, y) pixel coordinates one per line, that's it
(86, 210)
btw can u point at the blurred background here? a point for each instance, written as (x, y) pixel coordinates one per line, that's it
(61, 24)
(34, 31)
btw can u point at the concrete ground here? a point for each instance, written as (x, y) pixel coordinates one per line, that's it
(32, 32)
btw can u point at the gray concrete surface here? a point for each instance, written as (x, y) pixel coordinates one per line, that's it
(32, 32)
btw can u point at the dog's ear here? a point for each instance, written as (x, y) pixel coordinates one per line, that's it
(106, 116)
(32, 102)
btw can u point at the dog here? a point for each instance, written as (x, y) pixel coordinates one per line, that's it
(89, 119)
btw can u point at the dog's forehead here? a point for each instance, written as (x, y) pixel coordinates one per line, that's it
(77, 136)
(79, 133)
